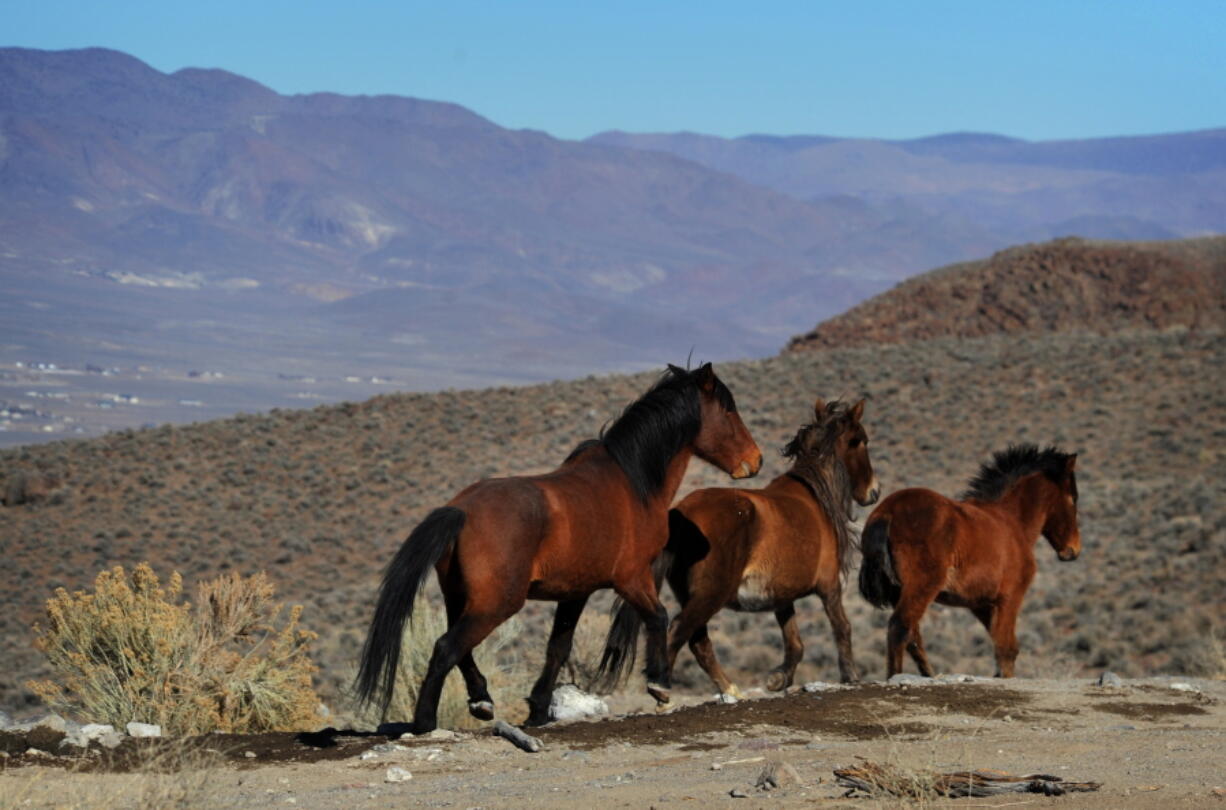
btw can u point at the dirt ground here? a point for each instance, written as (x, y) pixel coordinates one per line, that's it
(1150, 743)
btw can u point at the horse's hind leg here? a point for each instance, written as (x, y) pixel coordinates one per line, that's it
(565, 619)
(689, 624)
(480, 704)
(453, 646)
(704, 654)
(904, 633)
(832, 601)
(1004, 635)
(781, 677)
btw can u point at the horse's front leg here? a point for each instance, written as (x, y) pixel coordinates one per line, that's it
(1004, 635)
(641, 595)
(832, 601)
(781, 677)
(565, 620)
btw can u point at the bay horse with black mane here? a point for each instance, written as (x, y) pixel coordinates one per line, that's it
(762, 549)
(976, 553)
(596, 522)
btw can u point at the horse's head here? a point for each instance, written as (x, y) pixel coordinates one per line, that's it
(1061, 528)
(851, 447)
(836, 432)
(723, 439)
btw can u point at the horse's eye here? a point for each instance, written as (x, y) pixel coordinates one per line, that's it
(854, 442)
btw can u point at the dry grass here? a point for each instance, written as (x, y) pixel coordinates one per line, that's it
(130, 650)
(178, 775)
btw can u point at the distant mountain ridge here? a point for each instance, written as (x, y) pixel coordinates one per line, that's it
(199, 220)
(1062, 286)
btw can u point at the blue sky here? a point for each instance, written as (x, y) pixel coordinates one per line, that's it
(1038, 70)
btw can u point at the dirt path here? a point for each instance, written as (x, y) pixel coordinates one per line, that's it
(1149, 744)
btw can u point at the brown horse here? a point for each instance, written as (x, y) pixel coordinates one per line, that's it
(976, 553)
(762, 549)
(597, 521)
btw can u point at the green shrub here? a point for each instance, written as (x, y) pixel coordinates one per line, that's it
(130, 650)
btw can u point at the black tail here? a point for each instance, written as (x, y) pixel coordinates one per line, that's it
(876, 581)
(404, 576)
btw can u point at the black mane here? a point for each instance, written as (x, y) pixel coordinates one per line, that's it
(1006, 468)
(655, 427)
(815, 464)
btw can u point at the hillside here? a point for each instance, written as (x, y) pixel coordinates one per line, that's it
(322, 498)
(1069, 285)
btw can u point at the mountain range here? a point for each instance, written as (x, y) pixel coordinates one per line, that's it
(168, 224)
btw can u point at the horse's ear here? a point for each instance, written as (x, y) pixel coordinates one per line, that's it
(1070, 463)
(705, 376)
(675, 369)
(819, 407)
(857, 410)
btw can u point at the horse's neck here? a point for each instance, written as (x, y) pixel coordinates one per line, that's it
(674, 473)
(1029, 501)
(813, 476)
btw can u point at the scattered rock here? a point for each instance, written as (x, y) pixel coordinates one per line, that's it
(569, 702)
(777, 774)
(136, 729)
(389, 748)
(822, 686)
(579, 756)
(440, 734)
(104, 733)
(956, 678)
(517, 737)
(51, 722)
(1183, 686)
(249, 754)
(906, 679)
(737, 793)
(397, 774)
(5, 720)
(1109, 678)
(364, 756)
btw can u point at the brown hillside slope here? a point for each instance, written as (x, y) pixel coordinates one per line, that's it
(1060, 286)
(322, 498)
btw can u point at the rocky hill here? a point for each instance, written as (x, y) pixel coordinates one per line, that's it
(1069, 285)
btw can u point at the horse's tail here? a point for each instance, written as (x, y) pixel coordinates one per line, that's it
(878, 582)
(401, 581)
(621, 645)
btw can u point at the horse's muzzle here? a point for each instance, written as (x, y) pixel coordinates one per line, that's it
(1069, 554)
(747, 470)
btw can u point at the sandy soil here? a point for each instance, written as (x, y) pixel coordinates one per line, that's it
(1150, 743)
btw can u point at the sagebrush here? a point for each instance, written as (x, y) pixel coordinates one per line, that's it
(131, 650)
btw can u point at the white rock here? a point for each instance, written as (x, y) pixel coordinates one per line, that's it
(397, 774)
(1182, 686)
(906, 678)
(1109, 678)
(136, 729)
(571, 703)
(823, 686)
(368, 755)
(50, 721)
(442, 734)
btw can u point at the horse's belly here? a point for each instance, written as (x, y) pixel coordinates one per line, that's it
(754, 593)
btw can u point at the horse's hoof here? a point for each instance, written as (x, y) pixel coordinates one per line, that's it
(735, 693)
(660, 693)
(727, 698)
(481, 709)
(778, 681)
(536, 720)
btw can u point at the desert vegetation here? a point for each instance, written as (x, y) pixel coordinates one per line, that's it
(129, 650)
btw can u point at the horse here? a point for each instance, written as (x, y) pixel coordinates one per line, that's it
(762, 549)
(976, 552)
(595, 522)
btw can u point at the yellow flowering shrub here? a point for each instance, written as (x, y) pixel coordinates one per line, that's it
(131, 650)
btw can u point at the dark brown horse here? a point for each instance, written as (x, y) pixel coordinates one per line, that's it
(762, 549)
(597, 521)
(976, 553)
